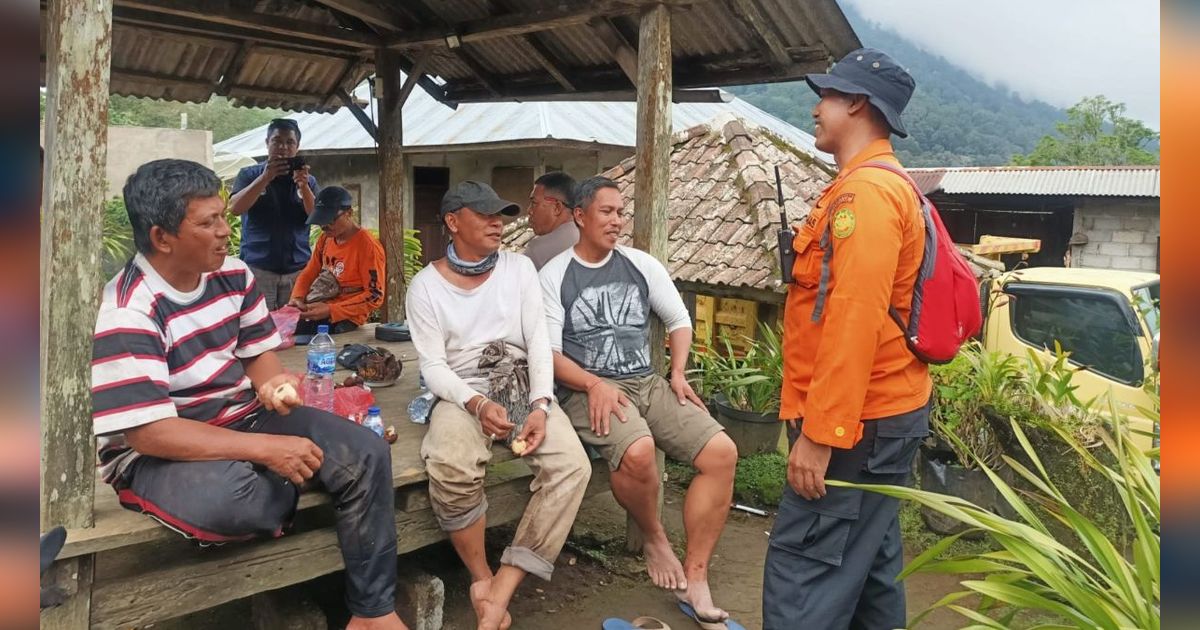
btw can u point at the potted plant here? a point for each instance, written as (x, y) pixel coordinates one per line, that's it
(962, 435)
(744, 388)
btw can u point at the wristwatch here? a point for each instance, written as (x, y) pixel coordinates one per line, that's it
(543, 405)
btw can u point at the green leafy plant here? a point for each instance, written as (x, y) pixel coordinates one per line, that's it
(1090, 584)
(117, 235)
(750, 380)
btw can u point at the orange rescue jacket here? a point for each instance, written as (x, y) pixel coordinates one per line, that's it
(852, 364)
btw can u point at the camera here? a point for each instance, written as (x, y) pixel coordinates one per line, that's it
(295, 164)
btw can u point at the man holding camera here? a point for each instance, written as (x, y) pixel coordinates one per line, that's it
(274, 199)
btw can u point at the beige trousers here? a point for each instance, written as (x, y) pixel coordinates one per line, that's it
(456, 454)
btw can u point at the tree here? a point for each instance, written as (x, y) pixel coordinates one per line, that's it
(1096, 133)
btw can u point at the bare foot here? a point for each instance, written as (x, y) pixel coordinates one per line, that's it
(662, 564)
(699, 597)
(489, 616)
(387, 622)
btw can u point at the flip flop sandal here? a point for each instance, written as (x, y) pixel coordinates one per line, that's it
(641, 623)
(709, 624)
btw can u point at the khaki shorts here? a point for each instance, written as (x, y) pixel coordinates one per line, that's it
(681, 431)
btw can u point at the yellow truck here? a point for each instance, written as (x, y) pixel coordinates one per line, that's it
(1107, 320)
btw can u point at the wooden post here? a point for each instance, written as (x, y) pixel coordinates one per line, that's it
(78, 53)
(653, 176)
(392, 172)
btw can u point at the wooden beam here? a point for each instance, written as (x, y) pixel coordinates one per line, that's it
(761, 296)
(78, 61)
(513, 24)
(222, 33)
(347, 81)
(414, 77)
(153, 77)
(624, 54)
(485, 77)
(763, 32)
(541, 52)
(620, 95)
(653, 134)
(222, 13)
(431, 88)
(369, 12)
(236, 63)
(653, 162)
(393, 176)
(236, 571)
(359, 114)
(273, 94)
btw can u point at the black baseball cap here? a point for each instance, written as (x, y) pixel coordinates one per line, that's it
(330, 201)
(873, 74)
(479, 197)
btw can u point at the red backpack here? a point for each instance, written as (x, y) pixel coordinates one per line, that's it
(945, 302)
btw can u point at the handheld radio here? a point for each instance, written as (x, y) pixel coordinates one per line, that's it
(787, 255)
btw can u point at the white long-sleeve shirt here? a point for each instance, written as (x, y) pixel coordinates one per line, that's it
(451, 326)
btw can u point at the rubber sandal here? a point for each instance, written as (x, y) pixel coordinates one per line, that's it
(641, 623)
(709, 624)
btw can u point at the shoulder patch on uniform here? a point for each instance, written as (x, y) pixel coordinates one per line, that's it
(843, 223)
(842, 199)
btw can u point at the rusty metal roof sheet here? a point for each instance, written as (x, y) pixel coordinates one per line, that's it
(298, 55)
(1079, 181)
(721, 203)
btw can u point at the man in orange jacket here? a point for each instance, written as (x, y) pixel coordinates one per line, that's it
(355, 264)
(855, 397)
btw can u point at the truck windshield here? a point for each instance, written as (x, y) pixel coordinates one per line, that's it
(1146, 299)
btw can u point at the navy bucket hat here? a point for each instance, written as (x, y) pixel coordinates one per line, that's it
(873, 74)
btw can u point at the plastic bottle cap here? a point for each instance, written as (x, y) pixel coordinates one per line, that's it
(323, 329)
(373, 410)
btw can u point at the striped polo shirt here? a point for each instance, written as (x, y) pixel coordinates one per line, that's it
(161, 353)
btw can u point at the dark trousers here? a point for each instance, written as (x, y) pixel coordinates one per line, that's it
(220, 501)
(832, 563)
(309, 327)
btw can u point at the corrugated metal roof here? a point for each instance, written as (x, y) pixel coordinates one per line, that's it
(721, 206)
(1083, 181)
(302, 53)
(428, 123)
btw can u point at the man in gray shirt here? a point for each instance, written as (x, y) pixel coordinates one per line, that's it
(550, 205)
(599, 299)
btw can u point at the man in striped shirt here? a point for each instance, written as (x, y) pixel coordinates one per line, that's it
(192, 430)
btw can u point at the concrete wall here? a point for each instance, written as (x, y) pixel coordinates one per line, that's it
(131, 147)
(1122, 233)
(359, 172)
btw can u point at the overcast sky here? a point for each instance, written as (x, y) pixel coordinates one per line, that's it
(1057, 51)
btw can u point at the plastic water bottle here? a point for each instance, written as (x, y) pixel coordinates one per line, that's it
(318, 382)
(419, 408)
(374, 422)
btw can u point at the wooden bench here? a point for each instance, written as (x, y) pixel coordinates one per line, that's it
(145, 572)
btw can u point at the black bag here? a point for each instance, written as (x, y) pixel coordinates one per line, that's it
(393, 331)
(352, 354)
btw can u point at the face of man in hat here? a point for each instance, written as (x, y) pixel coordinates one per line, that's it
(475, 234)
(833, 116)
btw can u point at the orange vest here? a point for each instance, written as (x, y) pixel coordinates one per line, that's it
(852, 364)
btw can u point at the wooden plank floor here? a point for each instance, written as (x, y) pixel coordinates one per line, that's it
(117, 527)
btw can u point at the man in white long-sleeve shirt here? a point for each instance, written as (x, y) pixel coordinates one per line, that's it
(599, 298)
(478, 325)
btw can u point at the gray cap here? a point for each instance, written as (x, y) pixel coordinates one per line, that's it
(877, 76)
(479, 197)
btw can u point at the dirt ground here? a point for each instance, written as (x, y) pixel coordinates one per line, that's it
(590, 586)
(595, 579)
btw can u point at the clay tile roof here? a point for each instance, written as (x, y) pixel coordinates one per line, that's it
(721, 203)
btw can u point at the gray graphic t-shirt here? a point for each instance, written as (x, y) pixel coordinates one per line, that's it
(598, 315)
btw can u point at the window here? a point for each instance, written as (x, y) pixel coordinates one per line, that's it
(1091, 325)
(1146, 299)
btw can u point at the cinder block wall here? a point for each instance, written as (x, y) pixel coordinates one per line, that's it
(1122, 233)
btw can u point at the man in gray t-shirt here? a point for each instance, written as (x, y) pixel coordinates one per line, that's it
(599, 298)
(550, 217)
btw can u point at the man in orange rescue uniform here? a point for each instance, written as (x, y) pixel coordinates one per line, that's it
(856, 399)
